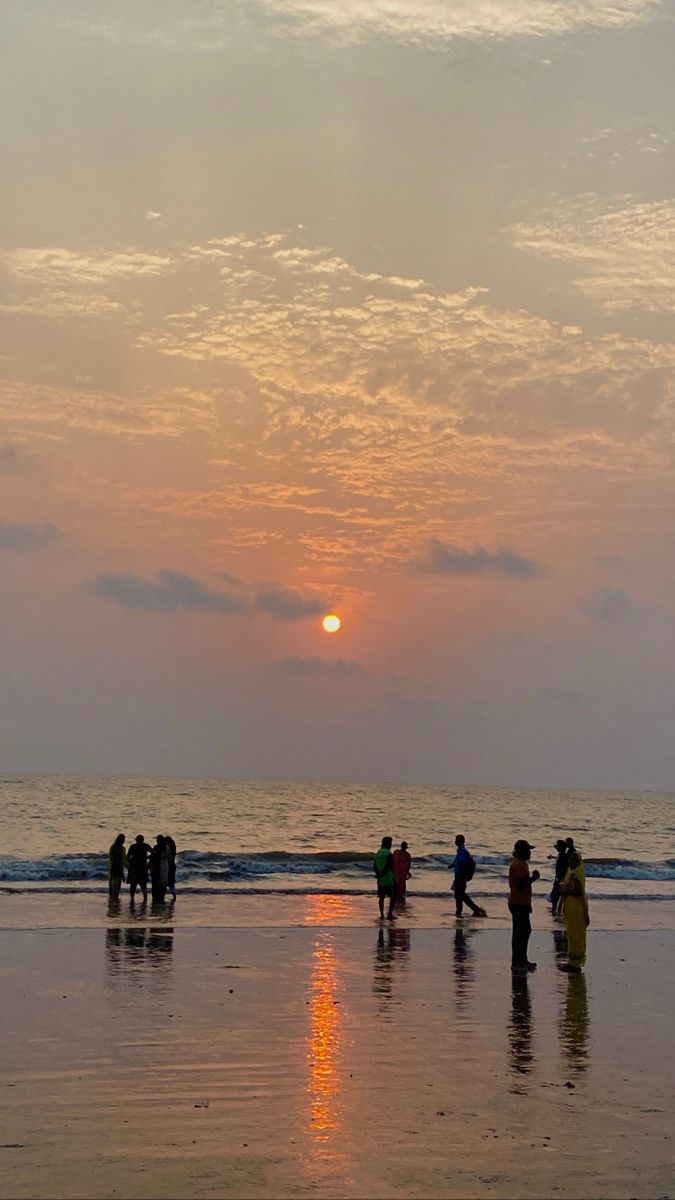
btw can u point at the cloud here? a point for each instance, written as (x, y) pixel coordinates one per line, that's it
(622, 253)
(288, 604)
(445, 559)
(168, 591)
(294, 665)
(227, 578)
(59, 266)
(27, 535)
(212, 24)
(609, 605)
(362, 414)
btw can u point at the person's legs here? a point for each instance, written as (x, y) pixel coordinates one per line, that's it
(132, 889)
(380, 900)
(392, 898)
(475, 908)
(460, 895)
(575, 927)
(521, 930)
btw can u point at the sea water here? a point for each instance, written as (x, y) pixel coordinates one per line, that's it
(252, 838)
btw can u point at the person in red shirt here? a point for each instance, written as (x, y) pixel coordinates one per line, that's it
(402, 863)
(520, 906)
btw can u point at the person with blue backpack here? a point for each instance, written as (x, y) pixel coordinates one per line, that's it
(464, 866)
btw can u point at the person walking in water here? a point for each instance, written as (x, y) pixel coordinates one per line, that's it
(520, 906)
(383, 866)
(401, 863)
(577, 920)
(117, 861)
(137, 867)
(464, 867)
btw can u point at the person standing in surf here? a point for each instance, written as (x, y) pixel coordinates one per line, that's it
(137, 867)
(520, 906)
(383, 866)
(171, 847)
(577, 920)
(401, 862)
(117, 861)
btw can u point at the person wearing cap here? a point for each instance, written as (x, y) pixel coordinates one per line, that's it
(561, 865)
(520, 906)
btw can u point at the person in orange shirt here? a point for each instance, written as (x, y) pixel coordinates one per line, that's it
(520, 906)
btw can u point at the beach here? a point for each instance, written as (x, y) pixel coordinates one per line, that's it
(149, 1057)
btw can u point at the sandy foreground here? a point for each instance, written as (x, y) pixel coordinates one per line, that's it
(155, 1060)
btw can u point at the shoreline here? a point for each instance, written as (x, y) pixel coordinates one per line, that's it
(88, 909)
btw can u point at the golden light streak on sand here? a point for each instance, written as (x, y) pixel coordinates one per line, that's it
(324, 1048)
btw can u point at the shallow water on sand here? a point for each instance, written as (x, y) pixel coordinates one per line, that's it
(156, 1060)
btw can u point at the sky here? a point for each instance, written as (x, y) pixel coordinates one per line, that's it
(363, 306)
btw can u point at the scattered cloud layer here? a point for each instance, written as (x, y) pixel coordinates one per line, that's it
(213, 24)
(623, 256)
(370, 413)
(445, 559)
(27, 535)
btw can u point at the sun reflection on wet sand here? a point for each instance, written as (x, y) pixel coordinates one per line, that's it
(324, 1037)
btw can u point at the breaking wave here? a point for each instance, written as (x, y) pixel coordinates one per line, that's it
(350, 866)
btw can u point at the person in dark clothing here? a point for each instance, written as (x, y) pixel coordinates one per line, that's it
(520, 906)
(561, 864)
(159, 868)
(171, 847)
(463, 865)
(137, 867)
(117, 861)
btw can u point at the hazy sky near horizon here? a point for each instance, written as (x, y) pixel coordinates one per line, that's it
(352, 305)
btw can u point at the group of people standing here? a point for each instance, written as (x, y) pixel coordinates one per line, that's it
(568, 896)
(143, 863)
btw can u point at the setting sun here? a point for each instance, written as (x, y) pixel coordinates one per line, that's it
(331, 623)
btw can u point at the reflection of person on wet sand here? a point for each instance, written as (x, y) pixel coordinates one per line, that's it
(521, 1054)
(401, 861)
(575, 1023)
(394, 948)
(131, 949)
(463, 966)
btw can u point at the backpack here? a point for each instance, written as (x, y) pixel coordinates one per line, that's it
(469, 868)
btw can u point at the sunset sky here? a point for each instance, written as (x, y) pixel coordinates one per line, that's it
(352, 306)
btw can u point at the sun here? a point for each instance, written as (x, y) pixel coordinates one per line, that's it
(331, 623)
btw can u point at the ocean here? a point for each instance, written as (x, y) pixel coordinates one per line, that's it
(293, 839)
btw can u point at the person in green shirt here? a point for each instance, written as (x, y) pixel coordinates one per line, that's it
(383, 866)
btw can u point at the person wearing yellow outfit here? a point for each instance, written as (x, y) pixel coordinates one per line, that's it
(577, 920)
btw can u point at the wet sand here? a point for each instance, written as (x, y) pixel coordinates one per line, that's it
(156, 1059)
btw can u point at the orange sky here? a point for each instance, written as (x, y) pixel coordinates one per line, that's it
(314, 306)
